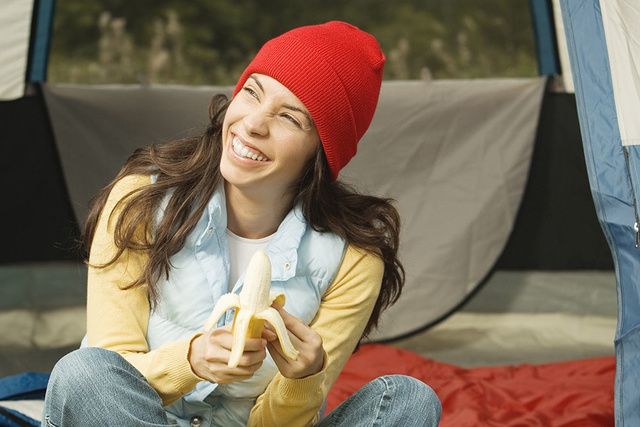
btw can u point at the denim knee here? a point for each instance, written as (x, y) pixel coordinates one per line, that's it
(416, 396)
(94, 386)
(83, 369)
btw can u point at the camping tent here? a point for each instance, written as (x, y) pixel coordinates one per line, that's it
(604, 47)
(460, 215)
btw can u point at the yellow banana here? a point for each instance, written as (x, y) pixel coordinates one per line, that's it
(253, 308)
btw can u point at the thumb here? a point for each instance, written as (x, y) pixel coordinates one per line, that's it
(283, 313)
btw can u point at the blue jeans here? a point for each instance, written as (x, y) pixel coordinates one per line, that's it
(93, 386)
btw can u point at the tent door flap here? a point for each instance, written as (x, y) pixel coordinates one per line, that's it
(634, 188)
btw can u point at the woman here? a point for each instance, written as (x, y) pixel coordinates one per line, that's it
(175, 229)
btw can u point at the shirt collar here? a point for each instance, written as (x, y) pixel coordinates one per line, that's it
(282, 248)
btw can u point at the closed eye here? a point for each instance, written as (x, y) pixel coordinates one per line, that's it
(250, 92)
(292, 120)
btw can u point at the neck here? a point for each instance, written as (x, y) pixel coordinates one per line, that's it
(251, 215)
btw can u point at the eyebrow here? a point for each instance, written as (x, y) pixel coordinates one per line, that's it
(257, 82)
(288, 106)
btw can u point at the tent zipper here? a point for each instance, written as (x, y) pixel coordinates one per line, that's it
(636, 225)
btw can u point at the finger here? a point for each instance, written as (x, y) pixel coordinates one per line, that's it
(278, 357)
(226, 379)
(254, 344)
(221, 330)
(297, 343)
(221, 337)
(269, 335)
(253, 368)
(243, 371)
(253, 357)
(293, 324)
(276, 349)
(221, 370)
(213, 351)
(217, 355)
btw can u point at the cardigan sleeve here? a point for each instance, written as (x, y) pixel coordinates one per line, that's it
(117, 318)
(344, 312)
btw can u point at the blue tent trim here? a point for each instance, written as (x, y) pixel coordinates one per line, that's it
(41, 40)
(545, 37)
(11, 418)
(614, 180)
(29, 385)
(26, 386)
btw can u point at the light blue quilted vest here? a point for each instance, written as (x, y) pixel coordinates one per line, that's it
(304, 263)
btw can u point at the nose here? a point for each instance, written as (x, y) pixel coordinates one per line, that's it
(256, 122)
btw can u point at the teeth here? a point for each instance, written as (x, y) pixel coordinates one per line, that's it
(244, 151)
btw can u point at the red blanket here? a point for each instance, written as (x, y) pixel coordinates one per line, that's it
(574, 393)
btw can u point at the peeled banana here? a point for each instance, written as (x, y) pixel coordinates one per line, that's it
(253, 308)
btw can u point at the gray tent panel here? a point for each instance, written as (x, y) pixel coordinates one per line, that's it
(98, 127)
(455, 155)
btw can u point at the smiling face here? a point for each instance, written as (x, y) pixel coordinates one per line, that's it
(267, 138)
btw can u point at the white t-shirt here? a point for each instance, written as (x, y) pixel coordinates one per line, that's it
(241, 250)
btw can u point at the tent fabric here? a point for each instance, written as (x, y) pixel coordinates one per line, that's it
(21, 399)
(41, 42)
(96, 128)
(454, 154)
(30, 385)
(543, 28)
(557, 227)
(563, 53)
(562, 394)
(621, 22)
(14, 414)
(15, 32)
(613, 176)
(30, 166)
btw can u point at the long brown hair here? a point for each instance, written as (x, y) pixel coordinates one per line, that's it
(189, 169)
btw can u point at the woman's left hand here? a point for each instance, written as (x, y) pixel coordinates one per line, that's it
(307, 341)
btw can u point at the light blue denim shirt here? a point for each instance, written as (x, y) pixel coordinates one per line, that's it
(304, 263)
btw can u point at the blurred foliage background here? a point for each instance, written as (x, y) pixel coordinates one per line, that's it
(211, 41)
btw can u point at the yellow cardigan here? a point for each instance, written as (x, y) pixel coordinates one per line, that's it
(117, 320)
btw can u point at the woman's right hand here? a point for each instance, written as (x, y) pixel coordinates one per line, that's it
(209, 354)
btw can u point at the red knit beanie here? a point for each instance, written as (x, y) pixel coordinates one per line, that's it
(335, 69)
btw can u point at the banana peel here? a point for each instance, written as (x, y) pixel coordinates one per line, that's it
(253, 309)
